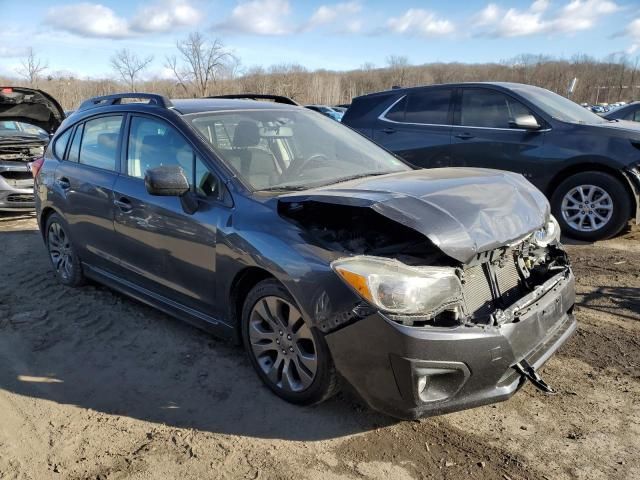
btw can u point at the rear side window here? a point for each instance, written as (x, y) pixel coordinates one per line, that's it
(60, 146)
(489, 109)
(429, 106)
(99, 145)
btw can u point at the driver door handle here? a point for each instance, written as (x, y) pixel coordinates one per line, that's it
(464, 136)
(389, 130)
(63, 183)
(124, 204)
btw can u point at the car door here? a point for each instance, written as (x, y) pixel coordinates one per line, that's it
(84, 185)
(161, 247)
(483, 135)
(417, 127)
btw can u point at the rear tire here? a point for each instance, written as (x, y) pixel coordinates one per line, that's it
(591, 206)
(290, 356)
(62, 253)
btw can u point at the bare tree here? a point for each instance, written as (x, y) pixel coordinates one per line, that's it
(128, 65)
(398, 66)
(31, 67)
(200, 63)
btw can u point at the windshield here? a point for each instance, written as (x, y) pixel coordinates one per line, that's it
(13, 128)
(291, 149)
(557, 106)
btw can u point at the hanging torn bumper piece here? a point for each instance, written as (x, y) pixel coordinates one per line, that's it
(528, 372)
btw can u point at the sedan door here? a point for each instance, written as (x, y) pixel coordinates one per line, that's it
(417, 127)
(484, 136)
(163, 248)
(84, 188)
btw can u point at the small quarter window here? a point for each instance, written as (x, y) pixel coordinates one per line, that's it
(74, 149)
(396, 114)
(60, 145)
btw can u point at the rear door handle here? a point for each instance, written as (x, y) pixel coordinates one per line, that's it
(389, 130)
(63, 183)
(124, 204)
(464, 136)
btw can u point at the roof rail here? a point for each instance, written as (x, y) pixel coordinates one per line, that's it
(259, 96)
(116, 99)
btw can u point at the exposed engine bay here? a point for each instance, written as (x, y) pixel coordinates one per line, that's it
(22, 150)
(492, 283)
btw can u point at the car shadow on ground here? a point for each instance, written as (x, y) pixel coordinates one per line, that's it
(101, 351)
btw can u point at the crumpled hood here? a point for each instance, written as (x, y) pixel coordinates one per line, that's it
(31, 106)
(463, 211)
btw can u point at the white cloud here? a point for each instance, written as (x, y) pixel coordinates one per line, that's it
(330, 13)
(575, 16)
(165, 16)
(259, 17)
(98, 21)
(417, 21)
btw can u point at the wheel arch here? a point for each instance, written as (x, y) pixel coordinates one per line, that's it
(242, 283)
(590, 166)
(44, 215)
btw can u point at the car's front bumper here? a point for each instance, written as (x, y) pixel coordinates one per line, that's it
(464, 367)
(16, 187)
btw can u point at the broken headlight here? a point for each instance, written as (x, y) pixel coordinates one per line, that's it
(397, 288)
(548, 234)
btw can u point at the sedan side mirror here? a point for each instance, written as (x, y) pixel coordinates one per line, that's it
(526, 122)
(166, 181)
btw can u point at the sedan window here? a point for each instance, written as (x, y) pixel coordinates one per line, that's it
(489, 109)
(154, 143)
(99, 146)
(429, 107)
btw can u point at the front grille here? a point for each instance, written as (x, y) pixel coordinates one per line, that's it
(477, 290)
(20, 198)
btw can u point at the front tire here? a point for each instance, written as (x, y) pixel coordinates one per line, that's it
(62, 253)
(591, 206)
(290, 356)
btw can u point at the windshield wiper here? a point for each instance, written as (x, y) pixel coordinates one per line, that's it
(284, 188)
(360, 175)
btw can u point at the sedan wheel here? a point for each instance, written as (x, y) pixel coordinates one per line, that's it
(60, 251)
(282, 344)
(290, 356)
(587, 208)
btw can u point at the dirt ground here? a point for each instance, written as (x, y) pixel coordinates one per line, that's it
(94, 385)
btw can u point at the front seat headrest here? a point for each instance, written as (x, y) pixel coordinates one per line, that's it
(246, 134)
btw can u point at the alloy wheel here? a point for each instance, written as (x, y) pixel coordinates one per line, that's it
(282, 344)
(60, 251)
(587, 208)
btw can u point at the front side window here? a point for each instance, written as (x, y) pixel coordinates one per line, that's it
(291, 148)
(99, 142)
(489, 109)
(154, 143)
(429, 106)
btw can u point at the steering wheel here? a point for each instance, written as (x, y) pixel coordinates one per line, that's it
(295, 170)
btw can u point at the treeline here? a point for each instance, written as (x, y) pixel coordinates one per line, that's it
(610, 80)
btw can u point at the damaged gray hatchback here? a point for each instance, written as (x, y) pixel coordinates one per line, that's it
(428, 291)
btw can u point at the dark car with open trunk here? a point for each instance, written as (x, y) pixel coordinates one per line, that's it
(427, 290)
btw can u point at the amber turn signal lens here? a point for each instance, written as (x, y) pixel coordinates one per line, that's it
(358, 282)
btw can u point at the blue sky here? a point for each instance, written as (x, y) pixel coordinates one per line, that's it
(79, 37)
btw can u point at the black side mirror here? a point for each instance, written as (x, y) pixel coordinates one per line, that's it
(166, 181)
(526, 122)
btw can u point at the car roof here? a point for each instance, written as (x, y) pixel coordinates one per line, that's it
(201, 105)
(396, 91)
